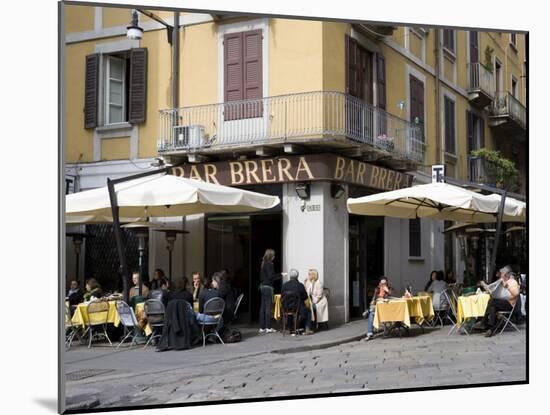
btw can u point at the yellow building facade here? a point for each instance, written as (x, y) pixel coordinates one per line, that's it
(399, 98)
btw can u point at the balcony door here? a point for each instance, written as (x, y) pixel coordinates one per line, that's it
(359, 84)
(417, 101)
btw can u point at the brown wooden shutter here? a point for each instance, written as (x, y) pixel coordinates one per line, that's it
(381, 81)
(470, 127)
(481, 132)
(252, 72)
(138, 86)
(91, 90)
(233, 74)
(474, 47)
(351, 66)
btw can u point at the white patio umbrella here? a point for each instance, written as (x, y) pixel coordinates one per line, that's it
(434, 200)
(96, 219)
(165, 195)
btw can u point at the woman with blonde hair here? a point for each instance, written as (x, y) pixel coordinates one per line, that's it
(267, 278)
(314, 289)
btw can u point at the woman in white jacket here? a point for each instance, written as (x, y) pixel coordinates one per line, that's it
(314, 289)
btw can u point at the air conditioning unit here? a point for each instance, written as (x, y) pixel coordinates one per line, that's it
(189, 135)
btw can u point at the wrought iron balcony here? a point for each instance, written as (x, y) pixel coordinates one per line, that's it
(481, 90)
(324, 117)
(508, 114)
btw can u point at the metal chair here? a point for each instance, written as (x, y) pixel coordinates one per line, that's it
(154, 310)
(156, 295)
(441, 310)
(504, 318)
(214, 308)
(98, 313)
(290, 307)
(454, 313)
(237, 305)
(71, 331)
(128, 320)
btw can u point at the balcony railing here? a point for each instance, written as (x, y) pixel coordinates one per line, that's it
(481, 80)
(505, 104)
(296, 118)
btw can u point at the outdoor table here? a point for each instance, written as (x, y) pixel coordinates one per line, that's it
(80, 316)
(401, 310)
(277, 307)
(471, 306)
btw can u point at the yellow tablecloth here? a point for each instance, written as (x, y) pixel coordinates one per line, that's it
(392, 312)
(421, 308)
(80, 317)
(401, 311)
(277, 307)
(471, 306)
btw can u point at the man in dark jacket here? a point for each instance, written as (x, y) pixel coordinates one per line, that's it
(294, 287)
(75, 295)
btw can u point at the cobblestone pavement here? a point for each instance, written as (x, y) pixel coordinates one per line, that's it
(270, 365)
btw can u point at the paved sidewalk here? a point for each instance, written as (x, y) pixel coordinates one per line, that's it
(273, 365)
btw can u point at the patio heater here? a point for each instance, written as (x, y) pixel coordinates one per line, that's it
(78, 240)
(170, 235)
(141, 231)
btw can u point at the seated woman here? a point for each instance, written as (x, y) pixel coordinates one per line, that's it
(382, 291)
(433, 277)
(93, 290)
(314, 289)
(437, 287)
(205, 295)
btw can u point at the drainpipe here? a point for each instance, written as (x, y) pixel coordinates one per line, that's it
(438, 145)
(175, 61)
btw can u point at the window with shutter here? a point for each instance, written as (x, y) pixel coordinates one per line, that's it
(91, 91)
(243, 75)
(417, 101)
(138, 86)
(474, 47)
(449, 110)
(449, 39)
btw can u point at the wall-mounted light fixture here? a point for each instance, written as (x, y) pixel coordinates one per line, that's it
(337, 190)
(134, 31)
(302, 190)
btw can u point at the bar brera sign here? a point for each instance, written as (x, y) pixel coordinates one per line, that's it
(311, 167)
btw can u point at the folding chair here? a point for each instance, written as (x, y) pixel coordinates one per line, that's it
(128, 320)
(98, 313)
(237, 305)
(290, 307)
(156, 295)
(154, 310)
(441, 310)
(71, 331)
(214, 308)
(505, 318)
(453, 309)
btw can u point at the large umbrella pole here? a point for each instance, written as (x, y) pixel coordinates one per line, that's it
(492, 265)
(118, 237)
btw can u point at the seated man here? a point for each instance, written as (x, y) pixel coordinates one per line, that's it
(75, 295)
(293, 286)
(504, 294)
(205, 295)
(134, 291)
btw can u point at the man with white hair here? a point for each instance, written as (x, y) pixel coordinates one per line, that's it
(506, 289)
(295, 290)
